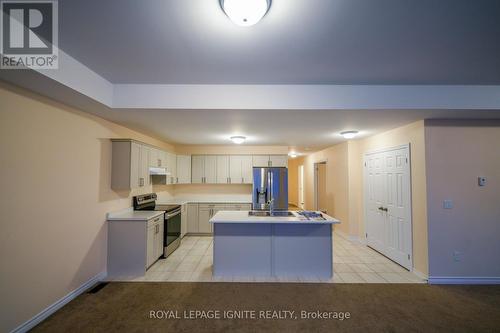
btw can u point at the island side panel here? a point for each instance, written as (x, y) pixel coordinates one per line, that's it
(303, 250)
(242, 249)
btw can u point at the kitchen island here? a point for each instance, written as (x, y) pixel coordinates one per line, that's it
(272, 246)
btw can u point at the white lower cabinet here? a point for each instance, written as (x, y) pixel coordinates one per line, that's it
(154, 240)
(199, 215)
(192, 216)
(133, 246)
(203, 216)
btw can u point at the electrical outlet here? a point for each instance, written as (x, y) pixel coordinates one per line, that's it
(457, 256)
(448, 204)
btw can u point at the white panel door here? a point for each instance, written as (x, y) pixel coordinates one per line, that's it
(388, 204)
(222, 169)
(197, 169)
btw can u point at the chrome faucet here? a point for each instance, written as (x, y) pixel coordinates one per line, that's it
(271, 206)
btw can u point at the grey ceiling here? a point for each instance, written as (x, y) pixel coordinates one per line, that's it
(298, 42)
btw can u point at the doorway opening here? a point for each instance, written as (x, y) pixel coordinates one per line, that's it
(320, 200)
(301, 187)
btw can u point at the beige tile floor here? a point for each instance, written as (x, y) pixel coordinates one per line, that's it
(352, 263)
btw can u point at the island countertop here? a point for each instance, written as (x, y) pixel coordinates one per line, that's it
(243, 217)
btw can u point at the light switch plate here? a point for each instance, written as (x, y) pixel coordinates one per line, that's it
(481, 181)
(448, 204)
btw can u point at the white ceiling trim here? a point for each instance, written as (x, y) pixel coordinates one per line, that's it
(83, 80)
(317, 97)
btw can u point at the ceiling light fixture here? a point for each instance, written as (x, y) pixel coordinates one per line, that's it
(238, 139)
(293, 155)
(349, 134)
(245, 12)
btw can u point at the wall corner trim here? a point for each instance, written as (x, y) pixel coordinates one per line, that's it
(41, 316)
(463, 280)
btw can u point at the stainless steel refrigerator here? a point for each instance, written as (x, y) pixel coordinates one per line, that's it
(270, 186)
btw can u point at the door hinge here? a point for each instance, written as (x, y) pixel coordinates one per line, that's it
(365, 164)
(366, 235)
(408, 257)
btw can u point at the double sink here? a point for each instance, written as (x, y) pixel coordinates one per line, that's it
(264, 213)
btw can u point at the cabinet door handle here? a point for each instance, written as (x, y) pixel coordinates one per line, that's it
(177, 180)
(242, 180)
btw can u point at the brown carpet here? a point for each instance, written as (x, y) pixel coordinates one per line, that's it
(126, 307)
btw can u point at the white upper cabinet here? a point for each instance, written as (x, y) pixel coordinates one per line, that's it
(210, 169)
(270, 161)
(261, 160)
(157, 158)
(204, 169)
(130, 165)
(132, 160)
(246, 169)
(279, 161)
(222, 169)
(240, 167)
(235, 176)
(197, 169)
(144, 178)
(171, 168)
(183, 169)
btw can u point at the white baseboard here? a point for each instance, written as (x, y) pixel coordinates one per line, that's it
(58, 304)
(463, 280)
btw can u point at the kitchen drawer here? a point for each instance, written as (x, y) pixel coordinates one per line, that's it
(242, 206)
(212, 206)
(156, 220)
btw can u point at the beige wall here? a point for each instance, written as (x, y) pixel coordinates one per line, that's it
(413, 134)
(55, 166)
(321, 184)
(457, 153)
(337, 192)
(293, 180)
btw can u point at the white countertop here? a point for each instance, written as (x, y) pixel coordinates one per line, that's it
(133, 215)
(243, 217)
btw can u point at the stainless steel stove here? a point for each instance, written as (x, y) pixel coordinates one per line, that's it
(172, 220)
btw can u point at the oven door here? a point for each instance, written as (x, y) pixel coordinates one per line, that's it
(172, 229)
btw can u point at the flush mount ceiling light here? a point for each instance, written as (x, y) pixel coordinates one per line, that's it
(349, 134)
(238, 139)
(245, 12)
(293, 155)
